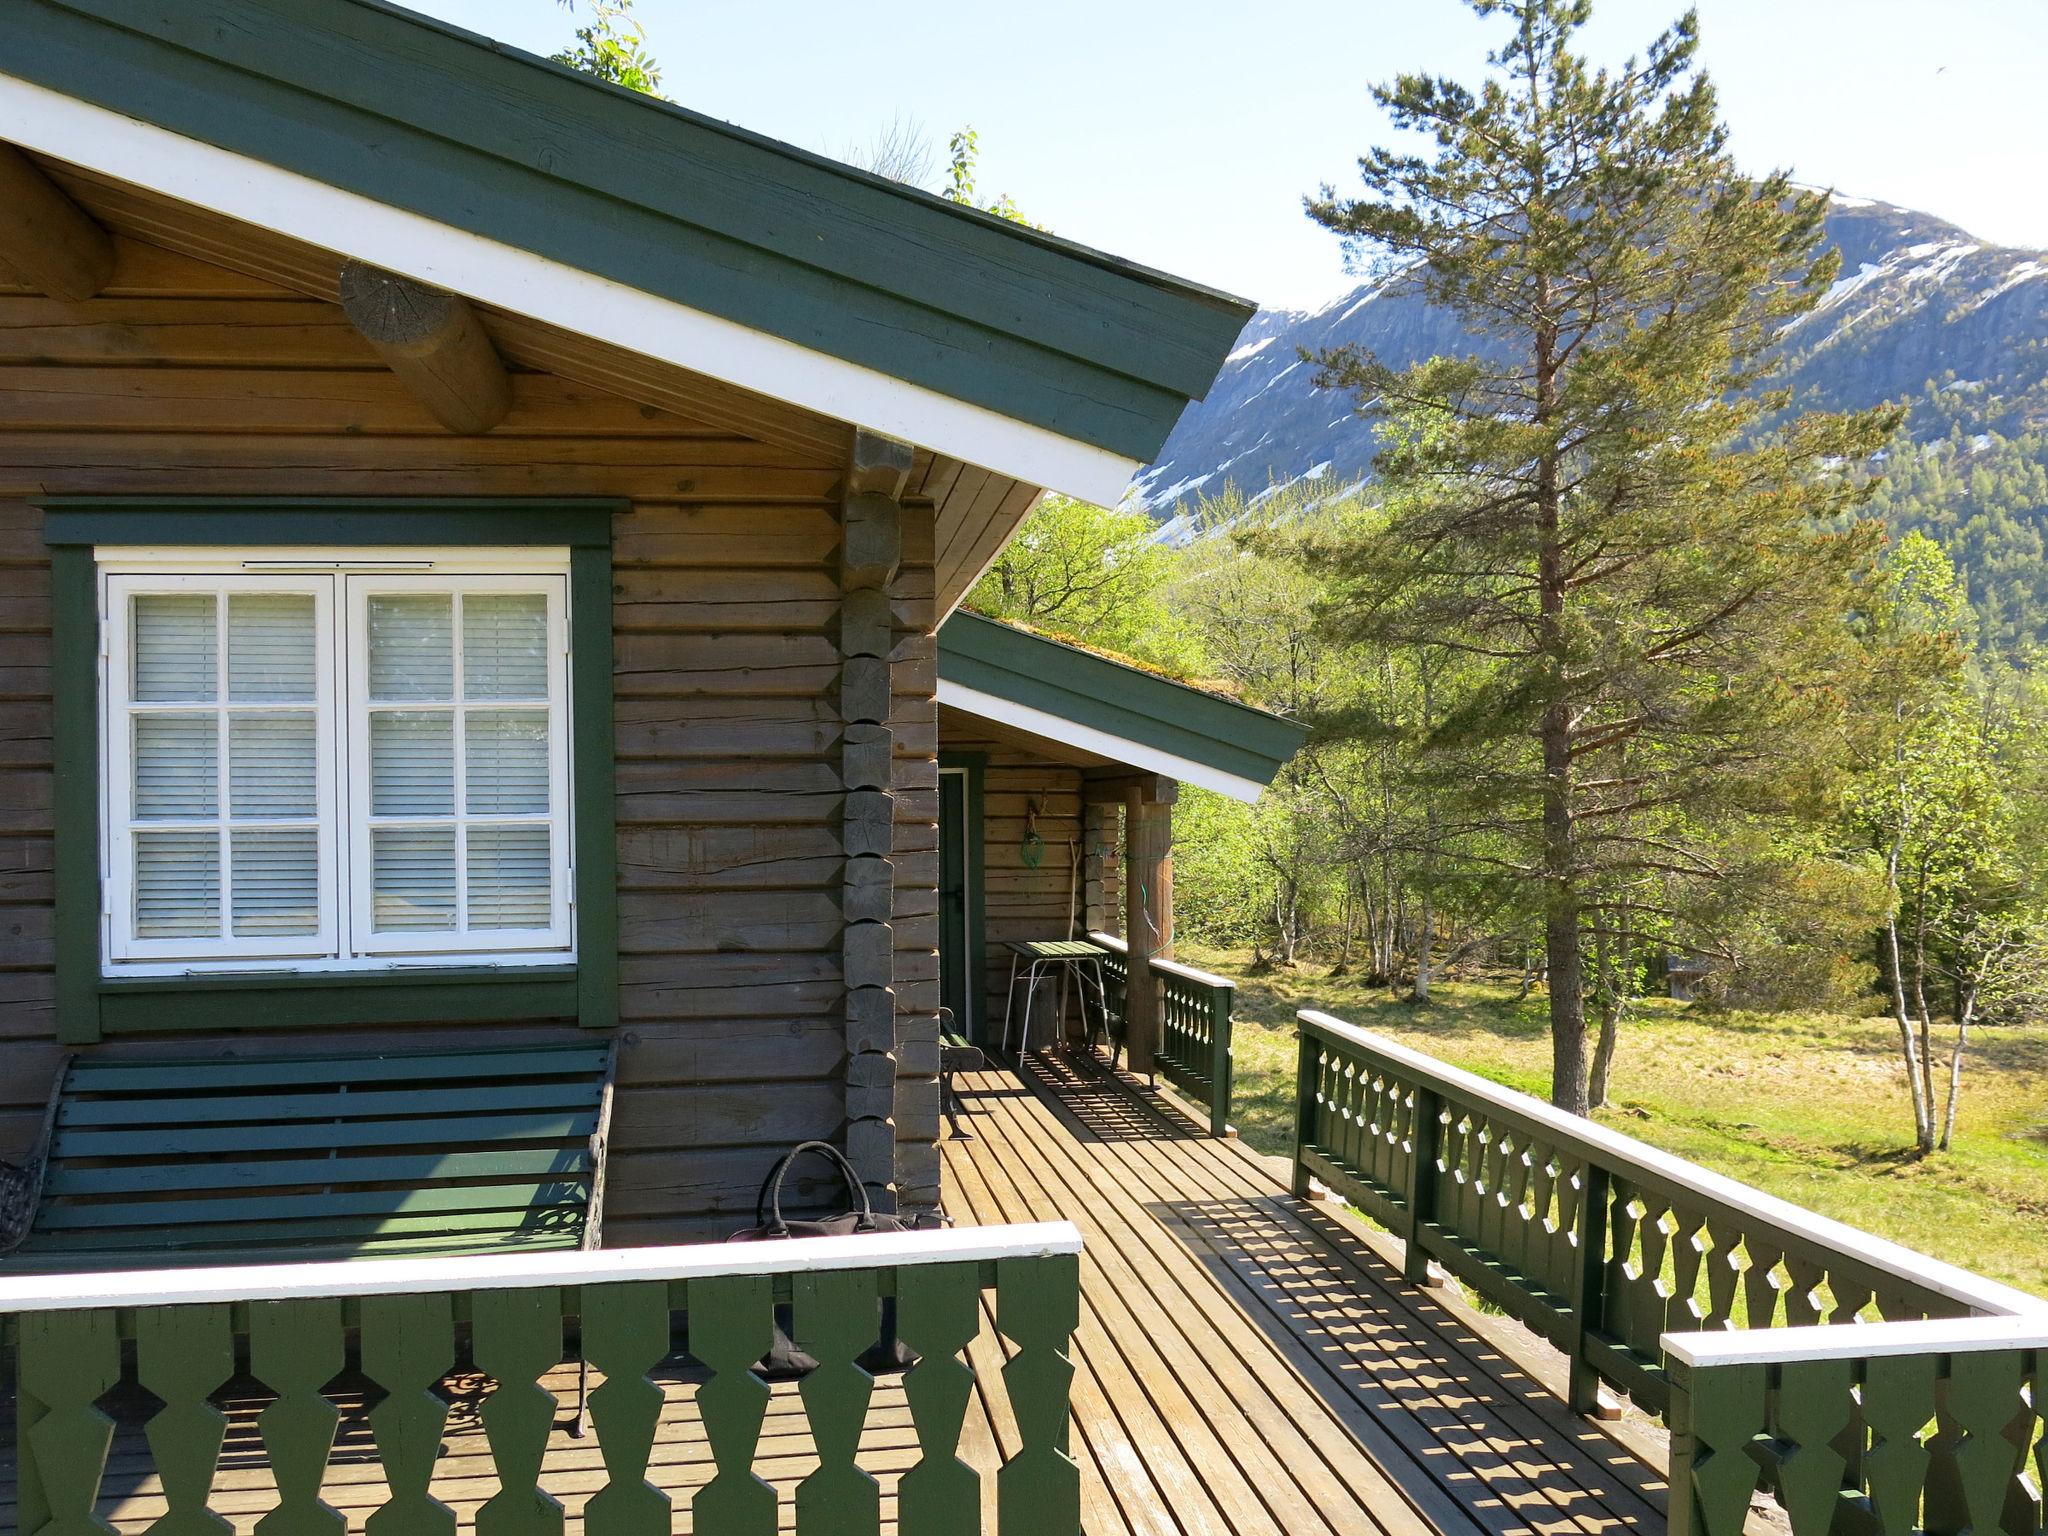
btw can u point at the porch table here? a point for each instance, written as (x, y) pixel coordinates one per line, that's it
(1035, 960)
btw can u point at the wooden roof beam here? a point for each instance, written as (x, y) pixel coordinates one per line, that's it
(47, 239)
(434, 342)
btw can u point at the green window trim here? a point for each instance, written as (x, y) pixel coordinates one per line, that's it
(973, 767)
(91, 1005)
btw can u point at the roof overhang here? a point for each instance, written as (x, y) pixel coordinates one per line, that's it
(1064, 694)
(376, 134)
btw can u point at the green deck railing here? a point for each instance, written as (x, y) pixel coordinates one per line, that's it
(163, 1356)
(1783, 1348)
(1889, 1427)
(1195, 1010)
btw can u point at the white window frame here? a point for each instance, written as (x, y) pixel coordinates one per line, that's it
(367, 941)
(117, 769)
(342, 581)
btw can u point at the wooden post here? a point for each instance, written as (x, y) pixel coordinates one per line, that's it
(47, 238)
(1425, 1129)
(1583, 1393)
(435, 344)
(1308, 1062)
(1148, 909)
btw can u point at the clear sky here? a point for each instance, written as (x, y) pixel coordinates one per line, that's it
(1183, 133)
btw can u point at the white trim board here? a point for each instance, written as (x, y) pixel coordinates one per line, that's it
(1038, 722)
(507, 1271)
(507, 277)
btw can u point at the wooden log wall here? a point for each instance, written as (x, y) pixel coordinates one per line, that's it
(1021, 900)
(1102, 865)
(186, 378)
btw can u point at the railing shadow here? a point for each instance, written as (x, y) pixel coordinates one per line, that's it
(1442, 1409)
(1104, 1105)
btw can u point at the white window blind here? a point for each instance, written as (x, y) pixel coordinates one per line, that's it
(355, 769)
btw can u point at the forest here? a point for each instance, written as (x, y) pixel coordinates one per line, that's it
(1895, 868)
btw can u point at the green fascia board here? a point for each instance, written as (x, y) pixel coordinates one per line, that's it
(1110, 696)
(417, 115)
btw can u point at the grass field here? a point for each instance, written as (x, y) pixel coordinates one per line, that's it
(1812, 1108)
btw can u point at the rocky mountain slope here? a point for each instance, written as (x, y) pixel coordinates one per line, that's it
(1922, 312)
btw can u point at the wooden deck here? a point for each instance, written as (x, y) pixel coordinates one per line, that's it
(1250, 1363)
(1246, 1363)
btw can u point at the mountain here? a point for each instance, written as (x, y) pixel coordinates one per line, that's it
(1923, 312)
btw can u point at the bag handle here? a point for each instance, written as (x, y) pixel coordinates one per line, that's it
(771, 1188)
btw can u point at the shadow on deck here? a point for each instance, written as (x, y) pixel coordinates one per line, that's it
(1251, 1362)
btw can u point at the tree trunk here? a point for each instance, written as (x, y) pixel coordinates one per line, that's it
(1425, 921)
(1966, 1008)
(1923, 1117)
(1955, 1084)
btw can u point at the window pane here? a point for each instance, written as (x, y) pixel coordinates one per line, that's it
(412, 763)
(174, 658)
(177, 885)
(505, 769)
(505, 645)
(276, 889)
(412, 646)
(508, 877)
(414, 889)
(177, 767)
(271, 654)
(271, 764)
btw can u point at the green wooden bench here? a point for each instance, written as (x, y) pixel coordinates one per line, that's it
(957, 1053)
(144, 1163)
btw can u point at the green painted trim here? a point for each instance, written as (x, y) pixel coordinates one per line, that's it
(1109, 696)
(420, 116)
(465, 995)
(973, 766)
(75, 808)
(293, 522)
(90, 1004)
(593, 750)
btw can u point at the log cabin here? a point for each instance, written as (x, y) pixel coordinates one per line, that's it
(482, 552)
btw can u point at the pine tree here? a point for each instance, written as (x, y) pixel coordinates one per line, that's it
(1644, 560)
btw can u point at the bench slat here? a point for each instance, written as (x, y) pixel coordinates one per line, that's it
(293, 1242)
(228, 1107)
(158, 1078)
(286, 1173)
(275, 1208)
(194, 1140)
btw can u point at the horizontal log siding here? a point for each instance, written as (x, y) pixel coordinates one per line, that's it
(191, 380)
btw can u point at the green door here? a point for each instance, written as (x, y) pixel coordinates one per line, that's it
(954, 968)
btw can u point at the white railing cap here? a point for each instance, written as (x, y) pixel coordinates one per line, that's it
(1857, 1341)
(1189, 973)
(505, 1271)
(1877, 1253)
(1110, 942)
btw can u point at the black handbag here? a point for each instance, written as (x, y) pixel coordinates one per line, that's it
(784, 1361)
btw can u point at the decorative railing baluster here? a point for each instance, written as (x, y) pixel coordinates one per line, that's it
(296, 1349)
(516, 1340)
(837, 1318)
(1038, 1490)
(938, 1313)
(408, 1347)
(184, 1355)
